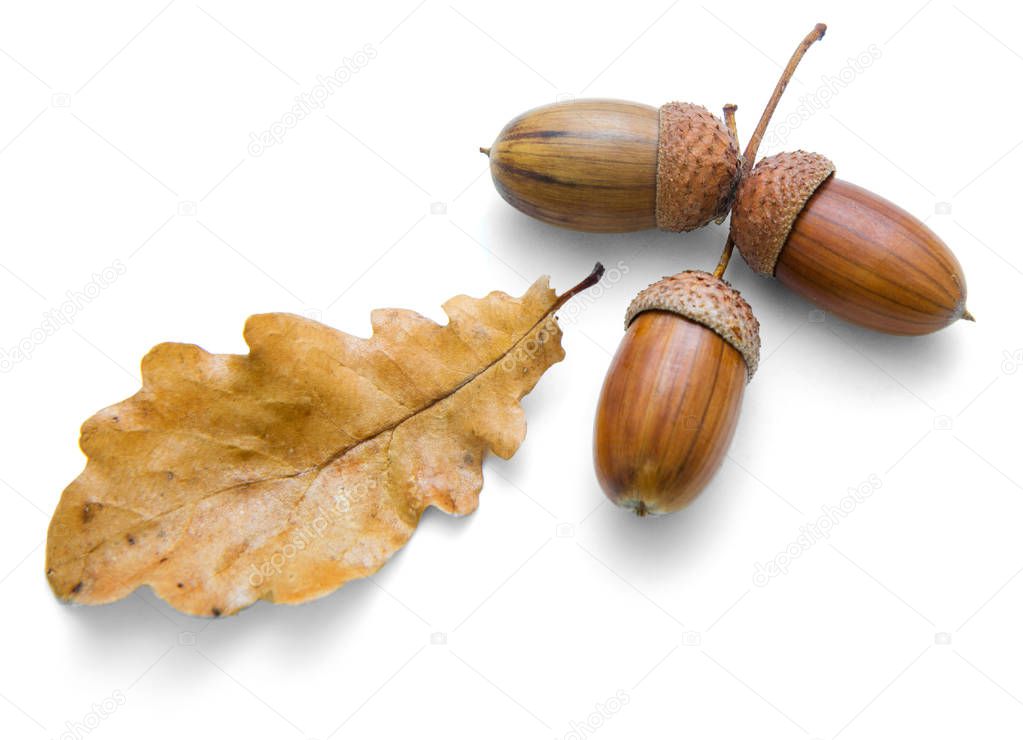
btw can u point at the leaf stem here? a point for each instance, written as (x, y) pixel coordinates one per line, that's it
(588, 282)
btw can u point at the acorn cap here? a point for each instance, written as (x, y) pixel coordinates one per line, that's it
(697, 167)
(709, 301)
(768, 201)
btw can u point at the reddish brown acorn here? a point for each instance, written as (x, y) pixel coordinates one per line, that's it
(671, 398)
(844, 248)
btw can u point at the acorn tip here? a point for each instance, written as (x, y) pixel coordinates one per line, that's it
(485, 150)
(967, 316)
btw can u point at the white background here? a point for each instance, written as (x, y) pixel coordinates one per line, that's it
(125, 137)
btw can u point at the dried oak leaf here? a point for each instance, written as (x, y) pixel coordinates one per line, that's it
(284, 473)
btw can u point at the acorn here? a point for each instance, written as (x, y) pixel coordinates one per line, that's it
(614, 166)
(671, 398)
(844, 248)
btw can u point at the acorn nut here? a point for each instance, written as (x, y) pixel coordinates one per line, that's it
(844, 248)
(671, 398)
(610, 165)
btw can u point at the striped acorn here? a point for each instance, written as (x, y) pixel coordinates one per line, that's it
(671, 398)
(613, 166)
(844, 248)
(610, 165)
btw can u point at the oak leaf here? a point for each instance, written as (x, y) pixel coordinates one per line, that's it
(284, 473)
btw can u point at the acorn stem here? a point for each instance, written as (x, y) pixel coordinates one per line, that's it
(726, 255)
(729, 116)
(758, 133)
(729, 113)
(485, 150)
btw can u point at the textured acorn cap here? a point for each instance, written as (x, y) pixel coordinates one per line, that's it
(709, 301)
(697, 167)
(768, 201)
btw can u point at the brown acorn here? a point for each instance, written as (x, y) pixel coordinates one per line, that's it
(612, 166)
(844, 248)
(671, 398)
